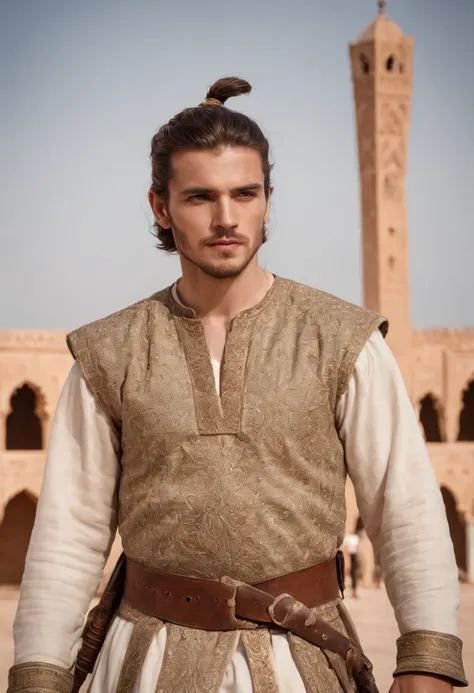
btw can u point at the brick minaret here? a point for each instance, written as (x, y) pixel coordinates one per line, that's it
(382, 73)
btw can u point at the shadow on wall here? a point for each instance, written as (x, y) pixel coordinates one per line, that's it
(15, 533)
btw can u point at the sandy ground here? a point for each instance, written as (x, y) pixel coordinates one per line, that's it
(371, 612)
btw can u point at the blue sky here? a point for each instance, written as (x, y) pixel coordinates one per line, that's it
(86, 84)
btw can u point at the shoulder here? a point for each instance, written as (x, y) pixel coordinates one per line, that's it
(114, 327)
(377, 362)
(338, 312)
(102, 349)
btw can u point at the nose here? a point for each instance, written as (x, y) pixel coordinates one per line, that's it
(225, 215)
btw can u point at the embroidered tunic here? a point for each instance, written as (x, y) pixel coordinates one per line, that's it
(249, 484)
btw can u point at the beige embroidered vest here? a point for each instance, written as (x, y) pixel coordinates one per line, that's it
(249, 484)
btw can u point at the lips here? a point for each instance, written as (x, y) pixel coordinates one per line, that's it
(224, 243)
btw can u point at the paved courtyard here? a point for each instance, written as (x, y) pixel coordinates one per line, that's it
(372, 614)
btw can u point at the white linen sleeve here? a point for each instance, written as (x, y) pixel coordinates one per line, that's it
(75, 525)
(398, 497)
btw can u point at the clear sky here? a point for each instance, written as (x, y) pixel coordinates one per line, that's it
(84, 86)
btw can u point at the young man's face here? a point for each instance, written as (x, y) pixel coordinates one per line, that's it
(216, 208)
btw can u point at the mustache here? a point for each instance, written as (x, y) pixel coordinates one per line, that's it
(236, 238)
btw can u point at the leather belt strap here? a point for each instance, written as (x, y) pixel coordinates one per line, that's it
(199, 603)
(212, 605)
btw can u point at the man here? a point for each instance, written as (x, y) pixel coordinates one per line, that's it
(215, 422)
(351, 543)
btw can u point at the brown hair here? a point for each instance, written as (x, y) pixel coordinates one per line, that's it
(207, 126)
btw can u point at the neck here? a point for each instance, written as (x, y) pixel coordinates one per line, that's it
(222, 298)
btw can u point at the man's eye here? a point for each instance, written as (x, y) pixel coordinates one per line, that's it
(201, 196)
(246, 193)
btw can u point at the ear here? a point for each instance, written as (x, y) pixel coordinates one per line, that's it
(158, 207)
(267, 211)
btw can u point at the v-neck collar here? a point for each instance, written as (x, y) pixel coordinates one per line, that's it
(217, 414)
(170, 298)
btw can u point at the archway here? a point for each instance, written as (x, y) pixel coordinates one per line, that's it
(24, 430)
(457, 528)
(429, 417)
(466, 417)
(15, 533)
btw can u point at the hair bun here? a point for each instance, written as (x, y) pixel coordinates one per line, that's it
(227, 87)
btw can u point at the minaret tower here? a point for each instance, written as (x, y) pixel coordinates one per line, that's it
(382, 73)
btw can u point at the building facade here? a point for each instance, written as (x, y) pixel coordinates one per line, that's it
(438, 365)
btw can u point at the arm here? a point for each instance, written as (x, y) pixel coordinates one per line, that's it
(73, 532)
(403, 513)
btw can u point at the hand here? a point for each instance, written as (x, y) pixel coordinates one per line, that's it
(420, 683)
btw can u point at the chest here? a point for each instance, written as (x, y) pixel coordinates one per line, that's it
(274, 380)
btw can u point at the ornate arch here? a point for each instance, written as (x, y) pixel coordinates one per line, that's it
(41, 408)
(26, 418)
(27, 490)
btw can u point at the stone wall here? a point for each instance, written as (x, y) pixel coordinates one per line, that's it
(443, 367)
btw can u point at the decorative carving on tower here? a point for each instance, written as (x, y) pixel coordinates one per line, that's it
(382, 73)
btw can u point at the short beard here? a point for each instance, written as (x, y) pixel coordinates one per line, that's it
(216, 272)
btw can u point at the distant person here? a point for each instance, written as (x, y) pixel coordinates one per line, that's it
(352, 543)
(378, 573)
(215, 422)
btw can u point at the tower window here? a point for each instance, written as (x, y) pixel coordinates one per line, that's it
(390, 64)
(364, 63)
(401, 68)
(391, 262)
(391, 231)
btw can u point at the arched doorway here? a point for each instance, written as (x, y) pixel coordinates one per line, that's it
(466, 417)
(15, 533)
(429, 417)
(457, 528)
(24, 430)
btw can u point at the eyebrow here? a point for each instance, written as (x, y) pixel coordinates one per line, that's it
(206, 191)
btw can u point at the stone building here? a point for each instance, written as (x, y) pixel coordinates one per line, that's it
(438, 365)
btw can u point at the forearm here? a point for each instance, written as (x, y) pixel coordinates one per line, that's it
(59, 583)
(420, 572)
(57, 588)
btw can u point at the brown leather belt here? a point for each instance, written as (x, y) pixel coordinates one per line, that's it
(212, 605)
(282, 602)
(203, 604)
